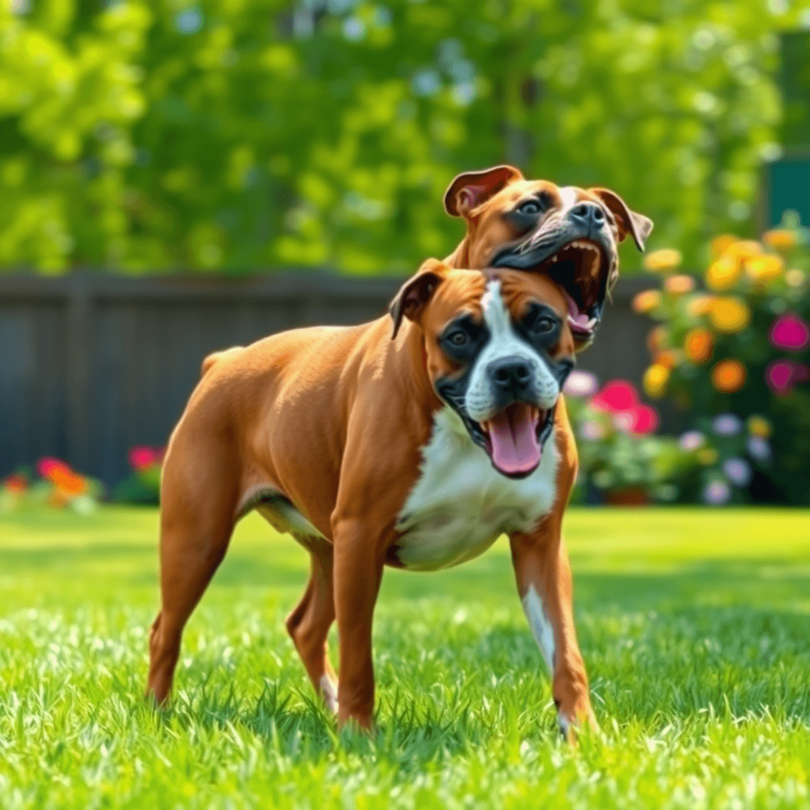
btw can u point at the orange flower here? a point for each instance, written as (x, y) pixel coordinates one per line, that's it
(780, 238)
(700, 305)
(698, 345)
(663, 260)
(16, 484)
(678, 285)
(721, 243)
(667, 358)
(724, 273)
(765, 268)
(646, 301)
(74, 484)
(728, 376)
(656, 339)
(729, 314)
(655, 380)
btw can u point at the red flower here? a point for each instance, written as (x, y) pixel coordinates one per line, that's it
(143, 458)
(617, 395)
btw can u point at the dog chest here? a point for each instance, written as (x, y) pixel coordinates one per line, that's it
(460, 504)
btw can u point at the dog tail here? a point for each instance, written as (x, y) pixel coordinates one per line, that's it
(214, 357)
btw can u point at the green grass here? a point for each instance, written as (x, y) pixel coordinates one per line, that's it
(694, 625)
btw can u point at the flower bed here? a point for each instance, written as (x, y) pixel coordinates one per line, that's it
(734, 360)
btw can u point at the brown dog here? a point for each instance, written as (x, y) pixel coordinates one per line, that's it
(569, 233)
(416, 452)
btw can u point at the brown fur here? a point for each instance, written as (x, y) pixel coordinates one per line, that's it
(335, 419)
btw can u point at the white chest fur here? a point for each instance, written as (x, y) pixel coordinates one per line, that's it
(460, 504)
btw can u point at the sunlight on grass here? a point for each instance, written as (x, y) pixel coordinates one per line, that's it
(694, 627)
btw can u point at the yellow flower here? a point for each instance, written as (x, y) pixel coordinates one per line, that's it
(744, 250)
(794, 277)
(721, 243)
(707, 456)
(765, 268)
(646, 301)
(678, 285)
(759, 426)
(729, 314)
(728, 376)
(700, 305)
(780, 238)
(655, 380)
(698, 345)
(663, 260)
(724, 273)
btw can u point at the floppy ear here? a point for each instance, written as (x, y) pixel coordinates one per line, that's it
(471, 189)
(416, 292)
(629, 222)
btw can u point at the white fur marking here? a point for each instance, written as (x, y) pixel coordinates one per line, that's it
(541, 627)
(461, 504)
(479, 399)
(329, 693)
(569, 196)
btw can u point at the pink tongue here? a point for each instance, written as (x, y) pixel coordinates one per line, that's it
(514, 440)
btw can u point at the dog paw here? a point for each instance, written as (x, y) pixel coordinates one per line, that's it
(330, 693)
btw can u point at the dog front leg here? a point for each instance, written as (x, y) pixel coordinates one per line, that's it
(543, 576)
(358, 572)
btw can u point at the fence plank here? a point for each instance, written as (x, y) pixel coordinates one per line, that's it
(92, 364)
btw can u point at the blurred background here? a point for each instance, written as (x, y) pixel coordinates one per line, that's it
(178, 177)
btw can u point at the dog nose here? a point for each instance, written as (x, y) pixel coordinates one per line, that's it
(511, 374)
(587, 214)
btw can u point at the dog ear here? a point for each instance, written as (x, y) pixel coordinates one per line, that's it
(469, 190)
(416, 292)
(629, 222)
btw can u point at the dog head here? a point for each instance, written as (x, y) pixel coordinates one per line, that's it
(498, 348)
(570, 234)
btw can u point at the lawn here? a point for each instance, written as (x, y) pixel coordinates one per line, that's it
(695, 626)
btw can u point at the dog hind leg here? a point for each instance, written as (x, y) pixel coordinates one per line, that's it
(197, 519)
(309, 623)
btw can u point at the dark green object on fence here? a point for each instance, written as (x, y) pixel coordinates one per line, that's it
(787, 181)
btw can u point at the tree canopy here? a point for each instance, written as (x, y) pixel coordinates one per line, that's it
(238, 135)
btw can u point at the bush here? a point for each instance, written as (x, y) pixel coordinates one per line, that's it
(735, 362)
(58, 487)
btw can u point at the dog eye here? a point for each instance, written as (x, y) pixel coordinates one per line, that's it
(458, 338)
(544, 325)
(530, 207)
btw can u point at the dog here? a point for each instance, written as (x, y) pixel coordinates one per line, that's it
(569, 233)
(413, 441)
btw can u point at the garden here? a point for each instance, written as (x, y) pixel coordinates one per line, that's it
(161, 162)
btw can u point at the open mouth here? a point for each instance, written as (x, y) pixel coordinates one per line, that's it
(515, 436)
(580, 268)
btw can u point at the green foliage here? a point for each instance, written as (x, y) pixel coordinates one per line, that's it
(698, 666)
(239, 134)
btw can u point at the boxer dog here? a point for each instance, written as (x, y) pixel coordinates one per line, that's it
(569, 233)
(414, 441)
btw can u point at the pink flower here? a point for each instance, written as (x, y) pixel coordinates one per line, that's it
(790, 332)
(782, 375)
(142, 458)
(52, 467)
(617, 395)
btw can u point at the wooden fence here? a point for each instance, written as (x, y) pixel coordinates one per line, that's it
(91, 365)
